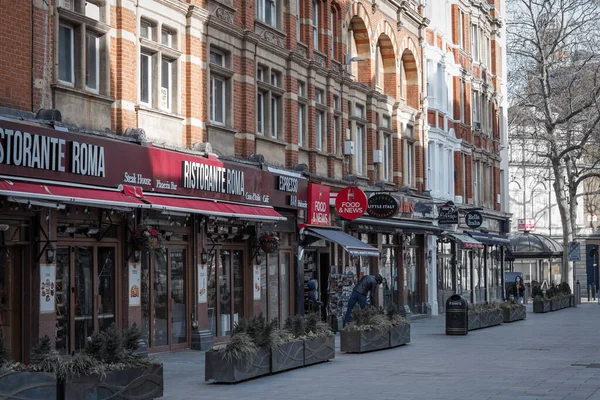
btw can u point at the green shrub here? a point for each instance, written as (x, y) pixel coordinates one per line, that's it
(131, 337)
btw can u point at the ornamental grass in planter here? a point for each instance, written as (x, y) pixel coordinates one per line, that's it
(34, 381)
(555, 298)
(513, 311)
(317, 337)
(110, 367)
(484, 315)
(246, 355)
(371, 329)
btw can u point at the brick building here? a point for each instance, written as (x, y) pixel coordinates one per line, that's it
(329, 93)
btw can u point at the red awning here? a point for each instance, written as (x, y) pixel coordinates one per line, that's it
(26, 191)
(218, 209)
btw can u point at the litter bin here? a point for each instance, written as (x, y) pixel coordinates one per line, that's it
(457, 316)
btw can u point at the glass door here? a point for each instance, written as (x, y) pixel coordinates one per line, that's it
(168, 300)
(226, 303)
(11, 293)
(85, 294)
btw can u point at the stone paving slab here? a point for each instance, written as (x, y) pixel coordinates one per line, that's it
(530, 359)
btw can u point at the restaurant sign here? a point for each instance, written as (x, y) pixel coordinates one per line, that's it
(382, 205)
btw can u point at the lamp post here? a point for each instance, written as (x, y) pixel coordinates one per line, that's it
(347, 61)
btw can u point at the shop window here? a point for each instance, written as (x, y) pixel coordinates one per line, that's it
(11, 262)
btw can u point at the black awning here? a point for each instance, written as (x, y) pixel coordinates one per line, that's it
(391, 225)
(352, 245)
(490, 238)
(466, 241)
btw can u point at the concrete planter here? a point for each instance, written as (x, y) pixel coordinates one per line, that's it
(219, 369)
(15, 385)
(287, 356)
(318, 350)
(399, 335)
(363, 341)
(512, 314)
(541, 306)
(560, 303)
(138, 383)
(474, 321)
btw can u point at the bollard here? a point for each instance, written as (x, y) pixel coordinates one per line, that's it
(594, 292)
(589, 292)
(578, 293)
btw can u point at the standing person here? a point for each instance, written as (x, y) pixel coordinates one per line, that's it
(519, 289)
(367, 283)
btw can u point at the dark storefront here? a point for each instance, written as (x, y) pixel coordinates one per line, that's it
(71, 206)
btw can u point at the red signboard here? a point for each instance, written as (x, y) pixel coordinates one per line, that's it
(29, 150)
(526, 224)
(351, 203)
(318, 204)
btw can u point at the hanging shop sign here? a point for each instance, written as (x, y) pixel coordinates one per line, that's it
(473, 219)
(318, 204)
(290, 191)
(382, 205)
(351, 203)
(448, 214)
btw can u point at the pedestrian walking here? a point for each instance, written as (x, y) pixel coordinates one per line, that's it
(519, 289)
(367, 283)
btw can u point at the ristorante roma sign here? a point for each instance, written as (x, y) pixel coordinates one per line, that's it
(32, 151)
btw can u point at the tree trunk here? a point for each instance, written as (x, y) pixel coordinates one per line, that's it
(566, 220)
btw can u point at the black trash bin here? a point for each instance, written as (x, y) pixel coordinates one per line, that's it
(457, 316)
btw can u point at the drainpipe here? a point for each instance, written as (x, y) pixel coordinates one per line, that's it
(32, 63)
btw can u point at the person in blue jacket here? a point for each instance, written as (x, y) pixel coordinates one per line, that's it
(367, 283)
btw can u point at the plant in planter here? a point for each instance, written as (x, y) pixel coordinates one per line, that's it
(247, 354)
(317, 337)
(400, 329)
(269, 242)
(149, 239)
(513, 311)
(109, 366)
(35, 381)
(369, 329)
(484, 315)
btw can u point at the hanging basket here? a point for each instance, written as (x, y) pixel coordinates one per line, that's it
(146, 238)
(269, 242)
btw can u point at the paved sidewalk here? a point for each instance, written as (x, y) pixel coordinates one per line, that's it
(547, 356)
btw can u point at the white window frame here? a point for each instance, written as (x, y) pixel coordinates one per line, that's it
(72, 44)
(298, 22)
(147, 26)
(261, 11)
(476, 182)
(97, 62)
(148, 102)
(170, 64)
(301, 124)
(336, 132)
(260, 112)
(430, 165)
(275, 101)
(387, 149)
(219, 54)
(319, 119)
(359, 148)
(169, 35)
(409, 163)
(315, 25)
(212, 105)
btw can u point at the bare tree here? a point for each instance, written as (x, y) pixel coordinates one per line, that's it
(554, 93)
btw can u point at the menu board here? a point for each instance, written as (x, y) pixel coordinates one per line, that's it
(135, 272)
(47, 287)
(202, 279)
(257, 288)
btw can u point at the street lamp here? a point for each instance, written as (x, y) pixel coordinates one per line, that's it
(347, 61)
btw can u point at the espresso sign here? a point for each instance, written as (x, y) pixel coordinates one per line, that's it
(448, 215)
(382, 205)
(473, 219)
